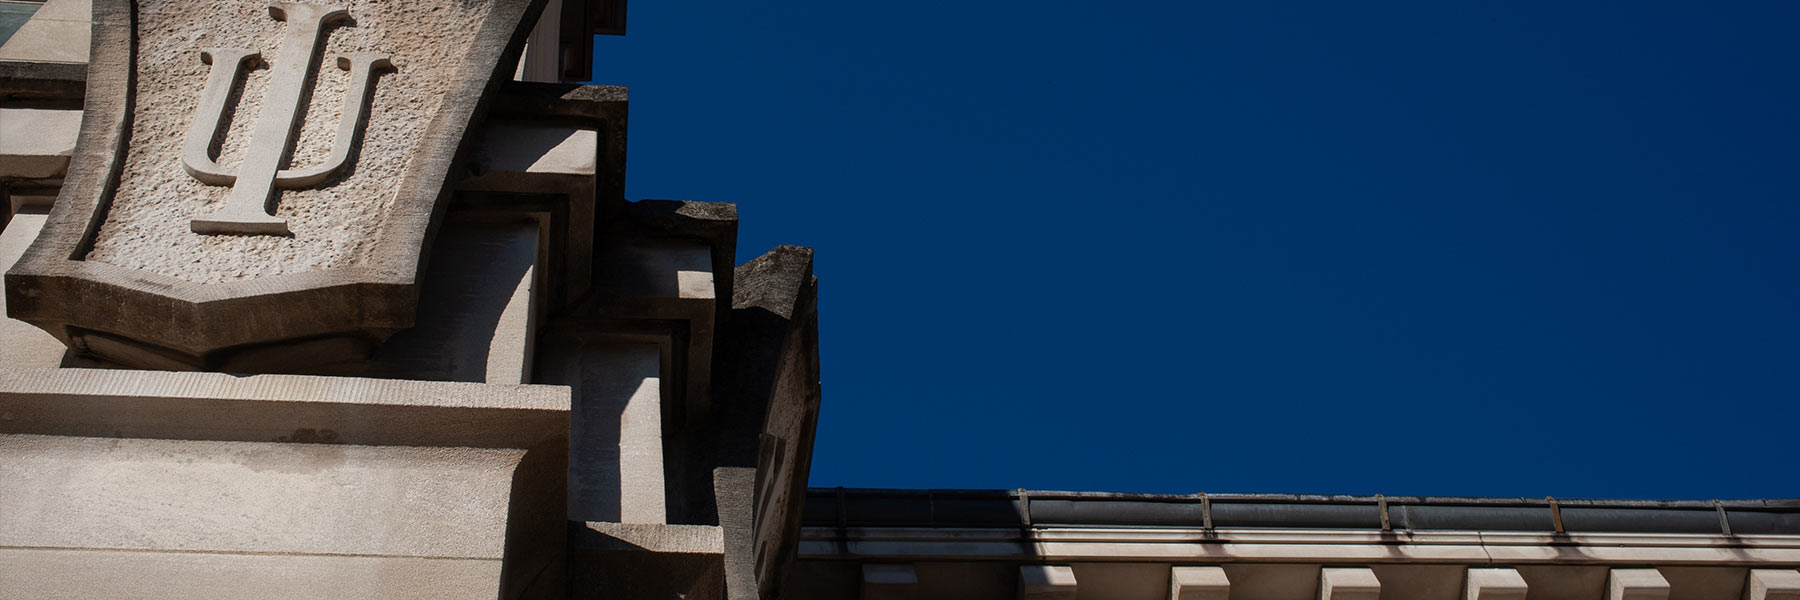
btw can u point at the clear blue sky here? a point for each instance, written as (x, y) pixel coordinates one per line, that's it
(1448, 248)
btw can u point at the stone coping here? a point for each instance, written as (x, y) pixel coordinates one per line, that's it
(681, 539)
(280, 408)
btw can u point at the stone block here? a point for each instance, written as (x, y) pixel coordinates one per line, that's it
(23, 345)
(683, 539)
(616, 463)
(558, 149)
(414, 489)
(631, 560)
(37, 143)
(889, 582)
(27, 198)
(1636, 584)
(1348, 584)
(300, 497)
(772, 393)
(52, 85)
(661, 272)
(1046, 582)
(478, 309)
(543, 49)
(734, 501)
(1773, 584)
(601, 109)
(1494, 584)
(524, 148)
(1199, 583)
(664, 287)
(58, 32)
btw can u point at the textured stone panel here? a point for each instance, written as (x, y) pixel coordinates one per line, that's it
(334, 225)
(129, 267)
(435, 489)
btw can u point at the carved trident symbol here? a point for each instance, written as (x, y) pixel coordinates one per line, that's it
(246, 211)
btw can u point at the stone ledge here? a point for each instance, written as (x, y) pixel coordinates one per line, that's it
(115, 574)
(279, 408)
(621, 560)
(158, 495)
(43, 80)
(35, 144)
(684, 539)
(588, 104)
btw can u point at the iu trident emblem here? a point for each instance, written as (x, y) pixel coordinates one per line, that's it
(246, 210)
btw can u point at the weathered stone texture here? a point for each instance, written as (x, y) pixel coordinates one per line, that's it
(253, 497)
(119, 272)
(334, 225)
(768, 402)
(170, 480)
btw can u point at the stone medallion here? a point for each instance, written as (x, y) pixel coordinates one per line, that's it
(257, 181)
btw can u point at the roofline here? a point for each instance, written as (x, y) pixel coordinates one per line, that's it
(865, 507)
(1328, 498)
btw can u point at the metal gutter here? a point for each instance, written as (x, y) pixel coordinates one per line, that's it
(840, 507)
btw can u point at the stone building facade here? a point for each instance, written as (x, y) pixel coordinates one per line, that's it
(313, 299)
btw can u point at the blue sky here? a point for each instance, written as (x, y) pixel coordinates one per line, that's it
(1446, 248)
